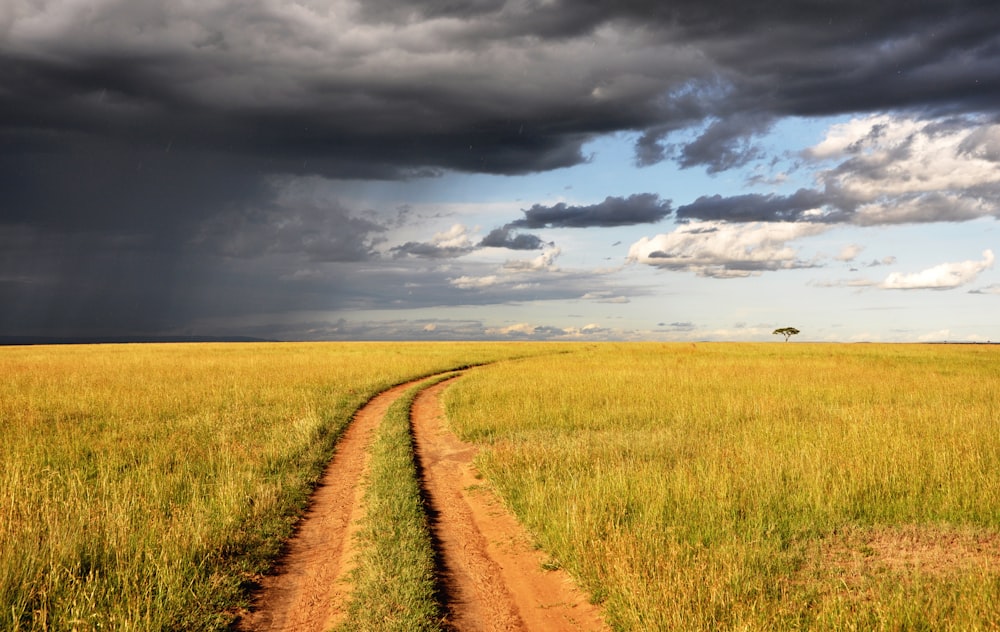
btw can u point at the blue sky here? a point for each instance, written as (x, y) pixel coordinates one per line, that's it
(500, 169)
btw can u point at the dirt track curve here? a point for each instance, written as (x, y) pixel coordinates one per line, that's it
(491, 577)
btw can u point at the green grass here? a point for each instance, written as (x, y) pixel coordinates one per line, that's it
(755, 487)
(141, 486)
(394, 579)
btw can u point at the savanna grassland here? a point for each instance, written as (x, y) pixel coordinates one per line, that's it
(687, 487)
(755, 486)
(140, 485)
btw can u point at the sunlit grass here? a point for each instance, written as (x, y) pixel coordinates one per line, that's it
(141, 485)
(758, 487)
(723, 486)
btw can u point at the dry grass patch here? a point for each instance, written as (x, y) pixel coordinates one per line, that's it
(921, 577)
(854, 556)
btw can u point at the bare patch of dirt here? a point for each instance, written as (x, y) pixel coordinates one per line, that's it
(309, 590)
(492, 576)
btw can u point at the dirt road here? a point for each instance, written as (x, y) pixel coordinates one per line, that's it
(308, 590)
(490, 577)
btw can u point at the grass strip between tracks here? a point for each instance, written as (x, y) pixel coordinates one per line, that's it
(394, 580)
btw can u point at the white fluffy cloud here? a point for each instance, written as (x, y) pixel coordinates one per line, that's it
(455, 237)
(717, 249)
(941, 277)
(897, 169)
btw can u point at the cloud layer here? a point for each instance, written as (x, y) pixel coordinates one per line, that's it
(156, 158)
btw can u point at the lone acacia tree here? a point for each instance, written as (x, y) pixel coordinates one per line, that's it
(787, 332)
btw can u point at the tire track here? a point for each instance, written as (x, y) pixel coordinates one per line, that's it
(491, 576)
(309, 590)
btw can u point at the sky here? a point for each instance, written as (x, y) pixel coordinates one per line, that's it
(500, 169)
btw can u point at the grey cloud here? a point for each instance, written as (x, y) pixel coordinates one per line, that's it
(726, 143)
(506, 237)
(754, 207)
(640, 208)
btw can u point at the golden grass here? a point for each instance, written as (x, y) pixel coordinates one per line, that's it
(141, 486)
(689, 487)
(731, 486)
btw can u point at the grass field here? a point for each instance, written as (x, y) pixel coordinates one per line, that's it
(756, 487)
(141, 484)
(688, 487)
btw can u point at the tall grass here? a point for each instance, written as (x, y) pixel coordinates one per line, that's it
(141, 486)
(755, 487)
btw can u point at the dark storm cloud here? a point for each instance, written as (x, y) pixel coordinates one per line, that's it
(139, 139)
(641, 208)
(501, 87)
